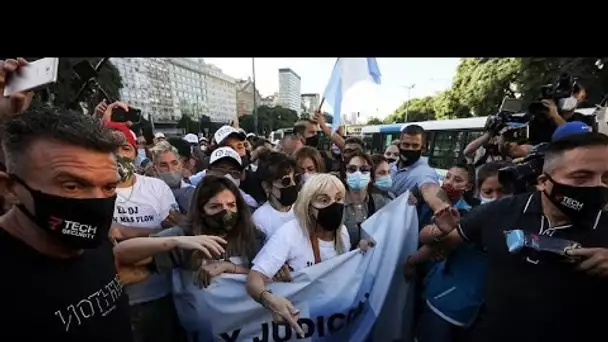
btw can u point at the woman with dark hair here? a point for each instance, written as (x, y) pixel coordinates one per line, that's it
(218, 212)
(363, 198)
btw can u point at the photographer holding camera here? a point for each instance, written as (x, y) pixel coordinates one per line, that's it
(541, 296)
(556, 107)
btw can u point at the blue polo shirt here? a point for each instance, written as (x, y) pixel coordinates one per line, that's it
(415, 175)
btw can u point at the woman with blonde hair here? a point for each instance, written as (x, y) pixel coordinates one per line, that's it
(316, 235)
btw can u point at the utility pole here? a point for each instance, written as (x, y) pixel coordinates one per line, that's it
(409, 92)
(255, 112)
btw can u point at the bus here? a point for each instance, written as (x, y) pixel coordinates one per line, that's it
(446, 139)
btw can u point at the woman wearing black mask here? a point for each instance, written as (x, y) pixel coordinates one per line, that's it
(217, 210)
(277, 173)
(316, 235)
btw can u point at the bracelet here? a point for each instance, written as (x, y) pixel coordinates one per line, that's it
(261, 297)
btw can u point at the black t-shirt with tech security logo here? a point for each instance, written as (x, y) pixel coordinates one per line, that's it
(48, 299)
(534, 297)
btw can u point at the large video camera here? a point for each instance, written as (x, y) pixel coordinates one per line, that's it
(563, 88)
(522, 176)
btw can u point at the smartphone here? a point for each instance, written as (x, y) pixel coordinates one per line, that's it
(33, 76)
(120, 115)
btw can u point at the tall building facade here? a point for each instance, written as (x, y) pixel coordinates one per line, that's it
(310, 102)
(290, 90)
(221, 91)
(244, 97)
(166, 88)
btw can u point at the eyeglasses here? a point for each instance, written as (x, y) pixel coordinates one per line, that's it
(355, 168)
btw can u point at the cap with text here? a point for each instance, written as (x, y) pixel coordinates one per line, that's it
(225, 152)
(224, 132)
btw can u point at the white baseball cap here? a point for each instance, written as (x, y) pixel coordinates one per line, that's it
(191, 138)
(159, 135)
(224, 132)
(225, 152)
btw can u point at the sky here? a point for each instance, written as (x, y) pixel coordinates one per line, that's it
(429, 75)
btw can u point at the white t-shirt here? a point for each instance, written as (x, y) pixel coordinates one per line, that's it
(291, 245)
(268, 219)
(144, 205)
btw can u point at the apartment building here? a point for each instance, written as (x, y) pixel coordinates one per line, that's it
(244, 97)
(310, 102)
(166, 88)
(290, 90)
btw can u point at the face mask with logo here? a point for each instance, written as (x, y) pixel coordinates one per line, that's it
(173, 179)
(384, 182)
(79, 223)
(312, 141)
(330, 218)
(223, 221)
(484, 200)
(580, 204)
(409, 157)
(568, 104)
(452, 192)
(236, 182)
(357, 181)
(288, 195)
(126, 168)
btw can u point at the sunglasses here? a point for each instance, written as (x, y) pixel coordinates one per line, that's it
(355, 168)
(287, 181)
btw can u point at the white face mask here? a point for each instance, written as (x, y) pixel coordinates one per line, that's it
(305, 177)
(568, 104)
(486, 199)
(253, 167)
(203, 148)
(236, 182)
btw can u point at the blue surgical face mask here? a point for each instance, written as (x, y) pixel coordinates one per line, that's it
(357, 181)
(384, 182)
(141, 152)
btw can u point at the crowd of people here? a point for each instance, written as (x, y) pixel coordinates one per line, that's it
(97, 217)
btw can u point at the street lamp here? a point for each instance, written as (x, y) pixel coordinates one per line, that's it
(409, 92)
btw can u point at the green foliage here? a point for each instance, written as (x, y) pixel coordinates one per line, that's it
(374, 121)
(61, 93)
(480, 84)
(269, 119)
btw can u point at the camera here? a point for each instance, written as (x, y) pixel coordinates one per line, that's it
(509, 122)
(563, 88)
(522, 176)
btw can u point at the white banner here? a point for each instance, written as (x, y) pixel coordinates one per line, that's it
(349, 298)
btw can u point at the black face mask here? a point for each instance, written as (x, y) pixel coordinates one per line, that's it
(580, 204)
(80, 223)
(330, 218)
(288, 195)
(312, 141)
(409, 157)
(223, 221)
(391, 160)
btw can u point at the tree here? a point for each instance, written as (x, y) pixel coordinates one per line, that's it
(269, 119)
(417, 110)
(480, 85)
(61, 93)
(374, 121)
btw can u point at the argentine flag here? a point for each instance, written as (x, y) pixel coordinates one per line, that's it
(347, 72)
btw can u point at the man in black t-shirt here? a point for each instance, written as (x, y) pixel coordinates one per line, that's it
(60, 282)
(539, 296)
